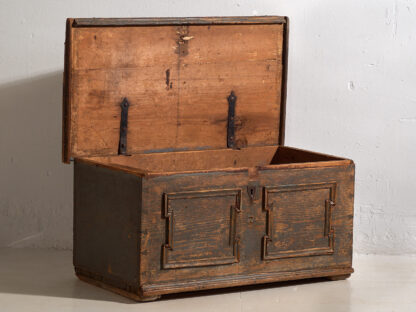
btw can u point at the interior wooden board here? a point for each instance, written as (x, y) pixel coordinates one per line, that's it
(177, 79)
(211, 160)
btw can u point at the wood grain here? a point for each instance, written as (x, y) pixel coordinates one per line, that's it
(242, 279)
(298, 220)
(201, 228)
(302, 233)
(262, 157)
(177, 79)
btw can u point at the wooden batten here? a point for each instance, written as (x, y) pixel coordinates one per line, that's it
(176, 75)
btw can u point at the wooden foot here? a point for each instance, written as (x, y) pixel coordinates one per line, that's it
(122, 292)
(338, 277)
(148, 299)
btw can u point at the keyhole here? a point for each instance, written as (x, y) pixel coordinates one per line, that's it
(251, 192)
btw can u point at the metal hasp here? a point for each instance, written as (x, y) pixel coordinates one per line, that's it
(232, 99)
(122, 146)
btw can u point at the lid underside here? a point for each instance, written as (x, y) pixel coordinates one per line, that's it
(176, 75)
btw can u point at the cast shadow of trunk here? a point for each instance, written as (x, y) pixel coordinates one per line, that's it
(36, 188)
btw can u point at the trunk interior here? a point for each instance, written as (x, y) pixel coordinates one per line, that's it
(212, 160)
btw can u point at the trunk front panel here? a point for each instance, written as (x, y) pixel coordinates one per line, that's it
(215, 225)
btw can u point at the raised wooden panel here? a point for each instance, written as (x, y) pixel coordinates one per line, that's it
(299, 220)
(201, 228)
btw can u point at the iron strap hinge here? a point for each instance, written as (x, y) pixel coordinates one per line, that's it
(231, 120)
(122, 146)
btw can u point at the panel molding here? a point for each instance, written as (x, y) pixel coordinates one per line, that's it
(329, 230)
(234, 240)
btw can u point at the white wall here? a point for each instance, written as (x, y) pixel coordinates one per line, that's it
(351, 92)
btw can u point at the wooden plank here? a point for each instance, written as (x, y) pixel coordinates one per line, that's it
(117, 48)
(225, 44)
(162, 21)
(241, 280)
(212, 70)
(106, 220)
(96, 131)
(222, 160)
(177, 88)
(66, 97)
(285, 61)
(194, 160)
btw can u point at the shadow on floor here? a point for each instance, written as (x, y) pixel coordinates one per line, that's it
(46, 273)
(35, 187)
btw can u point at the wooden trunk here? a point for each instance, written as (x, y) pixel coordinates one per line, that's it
(188, 185)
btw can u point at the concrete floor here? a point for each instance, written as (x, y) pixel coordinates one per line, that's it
(43, 280)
